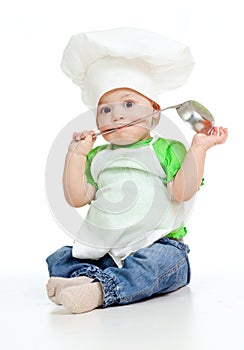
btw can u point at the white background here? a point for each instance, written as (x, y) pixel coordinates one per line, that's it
(38, 100)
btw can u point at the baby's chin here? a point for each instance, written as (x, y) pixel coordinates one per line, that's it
(121, 139)
(121, 142)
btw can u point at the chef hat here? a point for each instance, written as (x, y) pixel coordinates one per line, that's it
(147, 62)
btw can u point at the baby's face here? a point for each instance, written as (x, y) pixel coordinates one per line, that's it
(119, 107)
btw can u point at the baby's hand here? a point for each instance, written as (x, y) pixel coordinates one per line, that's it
(82, 142)
(217, 136)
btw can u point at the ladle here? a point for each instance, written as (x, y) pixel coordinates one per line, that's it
(191, 112)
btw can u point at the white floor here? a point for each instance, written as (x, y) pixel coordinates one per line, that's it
(209, 314)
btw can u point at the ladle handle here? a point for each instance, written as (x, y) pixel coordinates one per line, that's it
(170, 107)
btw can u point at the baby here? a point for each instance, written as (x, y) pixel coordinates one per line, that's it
(130, 246)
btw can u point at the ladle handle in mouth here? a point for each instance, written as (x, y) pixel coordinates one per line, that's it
(181, 109)
(98, 133)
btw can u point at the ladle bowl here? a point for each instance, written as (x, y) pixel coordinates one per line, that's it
(196, 116)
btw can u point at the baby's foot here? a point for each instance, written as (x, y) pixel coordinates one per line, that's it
(82, 298)
(56, 284)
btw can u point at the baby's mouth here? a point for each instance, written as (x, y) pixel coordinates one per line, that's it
(118, 127)
(121, 126)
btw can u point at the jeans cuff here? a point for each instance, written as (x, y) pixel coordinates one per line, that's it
(107, 282)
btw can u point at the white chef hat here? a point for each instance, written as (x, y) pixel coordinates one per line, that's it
(147, 62)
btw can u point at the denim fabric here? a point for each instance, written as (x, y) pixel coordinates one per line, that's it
(161, 268)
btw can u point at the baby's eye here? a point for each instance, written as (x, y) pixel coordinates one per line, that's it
(128, 104)
(105, 110)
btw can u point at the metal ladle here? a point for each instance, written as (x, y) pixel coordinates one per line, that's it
(196, 115)
(191, 112)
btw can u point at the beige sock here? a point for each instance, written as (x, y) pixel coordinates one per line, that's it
(82, 298)
(56, 284)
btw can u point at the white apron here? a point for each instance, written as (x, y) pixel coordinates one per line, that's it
(132, 208)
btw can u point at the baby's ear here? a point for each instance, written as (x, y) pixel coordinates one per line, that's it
(155, 119)
(156, 115)
(155, 106)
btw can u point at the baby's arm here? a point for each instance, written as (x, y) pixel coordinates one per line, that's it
(78, 192)
(188, 179)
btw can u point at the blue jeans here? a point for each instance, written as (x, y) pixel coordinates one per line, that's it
(160, 268)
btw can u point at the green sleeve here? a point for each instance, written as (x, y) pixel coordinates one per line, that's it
(179, 233)
(171, 155)
(89, 160)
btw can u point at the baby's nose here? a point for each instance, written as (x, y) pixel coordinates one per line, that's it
(117, 117)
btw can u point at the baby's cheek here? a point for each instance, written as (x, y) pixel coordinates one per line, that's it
(104, 126)
(147, 123)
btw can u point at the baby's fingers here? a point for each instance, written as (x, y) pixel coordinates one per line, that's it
(223, 134)
(78, 136)
(214, 131)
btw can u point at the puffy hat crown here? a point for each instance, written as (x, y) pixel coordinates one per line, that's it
(147, 62)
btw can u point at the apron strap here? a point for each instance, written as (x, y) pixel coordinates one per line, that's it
(153, 140)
